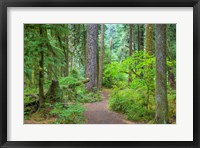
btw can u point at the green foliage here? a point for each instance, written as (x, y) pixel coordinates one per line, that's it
(79, 93)
(88, 97)
(132, 104)
(72, 114)
(120, 100)
(30, 90)
(67, 80)
(113, 74)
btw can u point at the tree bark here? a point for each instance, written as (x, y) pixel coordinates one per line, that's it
(97, 59)
(85, 49)
(111, 46)
(54, 93)
(67, 58)
(149, 39)
(101, 57)
(91, 53)
(171, 79)
(141, 37)
(161, 81)
(41, 70)
(33, 76)
(130, 51)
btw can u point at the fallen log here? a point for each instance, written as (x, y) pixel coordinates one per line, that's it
(32, 102)
(78, 83)
(31, 96)
(31, 106)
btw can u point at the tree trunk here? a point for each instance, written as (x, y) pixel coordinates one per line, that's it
(130, 52)
(91, 53)
(111, 46)
(97, 58)
(33, 76)
(141, 37)
(101, 57)
(50, 71)
(54, 93)
(41, 78)
(161, 81)
(41, 70)
(67, 58)
(149, 39)
(171, 79)
(85, 49)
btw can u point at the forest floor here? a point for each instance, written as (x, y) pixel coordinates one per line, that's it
(98, 112)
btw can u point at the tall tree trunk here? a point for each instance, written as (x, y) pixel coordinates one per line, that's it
(161, 81)
(49, 69)
(97, 58)
(91, 53)
(85, 49)
(111, 46)
(101, 57)
(141, 37)
(67, 58)
(41, 78)
(33, 76)
(149, 39)
(41, 69)
(130, 51)
(171, 78)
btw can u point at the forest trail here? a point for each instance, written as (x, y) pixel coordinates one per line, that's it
(98, 112)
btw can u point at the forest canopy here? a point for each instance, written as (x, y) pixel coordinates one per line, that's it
(100, 73)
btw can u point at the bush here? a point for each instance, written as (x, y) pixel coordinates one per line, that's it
(132, 104)
(83, 96)
(113, 74)
(67, 80)
(72, 114)
(121, 100)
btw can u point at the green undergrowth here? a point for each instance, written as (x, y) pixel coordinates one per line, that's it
(133, 104)
(70, 114)
(68, 110)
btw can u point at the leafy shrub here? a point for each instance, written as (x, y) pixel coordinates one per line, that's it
(72, 114)
(83, 96)
(121, 100)
(30, 90)
(67, 80)
(131, 103)
(113, 74)
(90, 98)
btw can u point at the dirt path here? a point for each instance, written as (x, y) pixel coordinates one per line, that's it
(98, 113)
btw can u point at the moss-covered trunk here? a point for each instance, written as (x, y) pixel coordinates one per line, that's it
(54, 92)
(161, 81)
(149, 38)
(130, 51)
(101, 57)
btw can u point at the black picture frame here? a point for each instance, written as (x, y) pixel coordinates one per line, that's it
(4, 4)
